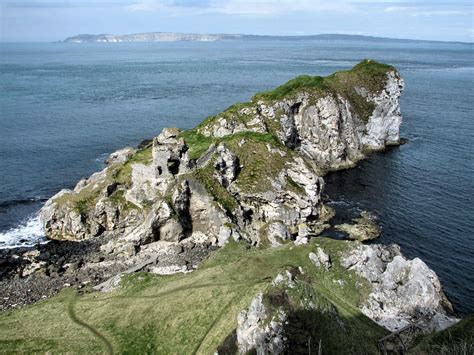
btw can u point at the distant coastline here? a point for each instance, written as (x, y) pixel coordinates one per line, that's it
(205, 37)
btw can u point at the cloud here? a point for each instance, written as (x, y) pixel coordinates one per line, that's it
(57, 4)
(429, 9)
(241, 7)
(258, 8)
(439, 13)
(397, 9)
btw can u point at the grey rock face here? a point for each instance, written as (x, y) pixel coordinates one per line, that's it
(329, 131)
(326, 129)
(383, 127)
(290, 205)
(223, 127)
(277, 232)
(320, 259)
(168, 153)
(162, 198)
(255, 332)
(120, 156)
(403, 291)
(227, 165)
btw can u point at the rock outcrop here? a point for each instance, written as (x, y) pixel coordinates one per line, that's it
(256, 167)
(365, 228)
(332, 121)
(320, 258)
(254, 172)
(259, 331)
(403, 291)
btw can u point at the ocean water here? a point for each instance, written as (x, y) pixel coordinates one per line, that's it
(64, 107)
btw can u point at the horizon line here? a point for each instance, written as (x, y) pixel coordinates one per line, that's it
(241, 34)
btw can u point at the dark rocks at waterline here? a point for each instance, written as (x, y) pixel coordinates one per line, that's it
(28, 275)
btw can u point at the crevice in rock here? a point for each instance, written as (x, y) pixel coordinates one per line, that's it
(295, 108)
(247, 215)
(111, 188)
(173, 166)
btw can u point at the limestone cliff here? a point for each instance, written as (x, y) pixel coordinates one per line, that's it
(252, 172)
(332, 121)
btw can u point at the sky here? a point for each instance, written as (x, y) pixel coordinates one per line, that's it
(52, 20)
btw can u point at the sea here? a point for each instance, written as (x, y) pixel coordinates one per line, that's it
(65, 107)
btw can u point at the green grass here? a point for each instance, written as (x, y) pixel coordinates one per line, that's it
(188, 313)
(220, 194)
(456, 340)
(291, 87)
(118, 199)
(123, 173)
(197, 143)
(294, 186)
(82, 201)
(368, 74)
(82, 206)
(259, 166)
(86, 199)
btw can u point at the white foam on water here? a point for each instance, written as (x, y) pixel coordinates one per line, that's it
(26, 234)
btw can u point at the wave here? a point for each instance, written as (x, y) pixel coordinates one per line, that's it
(101, 158)
(27, 234)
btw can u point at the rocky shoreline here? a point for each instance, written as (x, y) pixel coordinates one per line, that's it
(32, 274)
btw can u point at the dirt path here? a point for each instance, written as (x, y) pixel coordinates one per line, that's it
(95, 332)
(218, 317)
(108, 344)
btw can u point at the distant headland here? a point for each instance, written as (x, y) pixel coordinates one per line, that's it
(204, 37)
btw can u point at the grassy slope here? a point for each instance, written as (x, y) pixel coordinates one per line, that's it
(456, 340)
(189, 313)
(368, 73)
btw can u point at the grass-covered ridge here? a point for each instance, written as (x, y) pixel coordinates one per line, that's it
(294, 85)
(368, 75)
(458, 339)
(193, 313)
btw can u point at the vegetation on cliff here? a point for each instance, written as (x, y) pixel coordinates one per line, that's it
(249, 180)
(194, 313)
(368, 76)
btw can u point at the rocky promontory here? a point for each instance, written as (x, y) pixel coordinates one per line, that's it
(247, 179)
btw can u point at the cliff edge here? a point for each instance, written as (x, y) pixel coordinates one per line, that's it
(249, 182)
(256, 166)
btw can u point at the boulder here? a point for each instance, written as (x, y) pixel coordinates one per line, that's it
(277, 232)
(364, 229)
(120, 156)
(403, 291)
(320, 258)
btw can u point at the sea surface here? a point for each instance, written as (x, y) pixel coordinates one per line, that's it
(65, 107)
